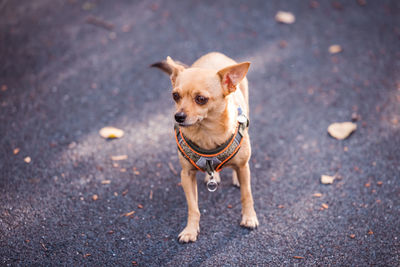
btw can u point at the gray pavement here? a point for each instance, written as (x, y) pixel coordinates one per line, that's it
(69, 68)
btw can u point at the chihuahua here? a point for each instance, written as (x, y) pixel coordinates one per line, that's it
(211, 97)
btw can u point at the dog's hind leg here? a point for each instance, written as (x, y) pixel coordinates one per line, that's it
(235, 180)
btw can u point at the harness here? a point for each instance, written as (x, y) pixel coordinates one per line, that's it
(212, 160)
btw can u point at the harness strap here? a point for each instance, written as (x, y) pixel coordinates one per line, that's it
(212, 160)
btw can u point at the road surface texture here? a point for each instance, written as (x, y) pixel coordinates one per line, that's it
(69, 68)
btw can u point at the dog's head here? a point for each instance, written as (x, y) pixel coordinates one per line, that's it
(200, 94)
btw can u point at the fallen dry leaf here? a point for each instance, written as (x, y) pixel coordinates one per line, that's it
(352, 236)
(88, 6)
(334, 49)
(362, 2)
(87, 255)
(122, 170)
(229, 206)
(326, 179)
(367, 185)
(27, 159)
(370, 232)
(128, 213)
(95, 197)
(379, 183)
(282, 44)
(140, 206)
(135, 171)
(324, 205)
(105, 182)
(314, 4)
(341, 130)
(285, 17)
(111, 132)
(125, 192)
(317, 195)
(119, 157)
(16, 151)
(281, 206)
(298, 257)
(171, 167)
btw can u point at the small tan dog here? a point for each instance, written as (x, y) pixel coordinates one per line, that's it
(211, 103)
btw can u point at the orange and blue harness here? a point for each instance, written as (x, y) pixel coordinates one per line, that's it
(212, 160)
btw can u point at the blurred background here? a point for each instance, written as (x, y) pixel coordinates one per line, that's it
(69, 68)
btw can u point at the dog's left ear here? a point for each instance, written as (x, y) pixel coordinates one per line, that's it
(231, 76)
(171, 67)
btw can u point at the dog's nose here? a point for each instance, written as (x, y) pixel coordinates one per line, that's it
(180, 117)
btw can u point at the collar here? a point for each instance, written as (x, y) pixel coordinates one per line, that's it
(212, 160)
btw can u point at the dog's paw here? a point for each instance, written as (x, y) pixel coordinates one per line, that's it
(235, 180)
(216, 177)
(189, 234)
(249, 221)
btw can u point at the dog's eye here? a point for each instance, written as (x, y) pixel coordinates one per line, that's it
(201, 100)
(176, 96)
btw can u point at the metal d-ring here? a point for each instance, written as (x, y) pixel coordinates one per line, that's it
(212, 184)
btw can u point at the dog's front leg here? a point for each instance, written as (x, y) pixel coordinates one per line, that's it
(189, 184)
(249, 216)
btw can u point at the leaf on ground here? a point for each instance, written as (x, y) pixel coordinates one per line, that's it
(341, 130)
(95, 197)
(105, 182)
(16, 151)
(326, 179)
(27, 159)
(324, 205)
(128, 213)
(119, 157)
(298, 257)
(317, 195)
(334, 49)
(171, 167)
(111, 132)
(285, 17)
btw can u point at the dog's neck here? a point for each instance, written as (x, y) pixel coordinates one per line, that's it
(214, 130)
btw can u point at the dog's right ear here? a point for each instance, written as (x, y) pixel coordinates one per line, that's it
(171, 67)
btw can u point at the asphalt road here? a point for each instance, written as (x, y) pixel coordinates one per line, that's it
(69, 68)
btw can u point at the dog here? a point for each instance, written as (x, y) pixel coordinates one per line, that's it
(211, 96)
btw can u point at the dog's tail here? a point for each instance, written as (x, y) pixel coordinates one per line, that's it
(165, 67)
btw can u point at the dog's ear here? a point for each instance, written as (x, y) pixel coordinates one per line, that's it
(231, 76)
(171, 67)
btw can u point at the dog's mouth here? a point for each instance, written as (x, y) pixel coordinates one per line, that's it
(184, 124)
(189, 123)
